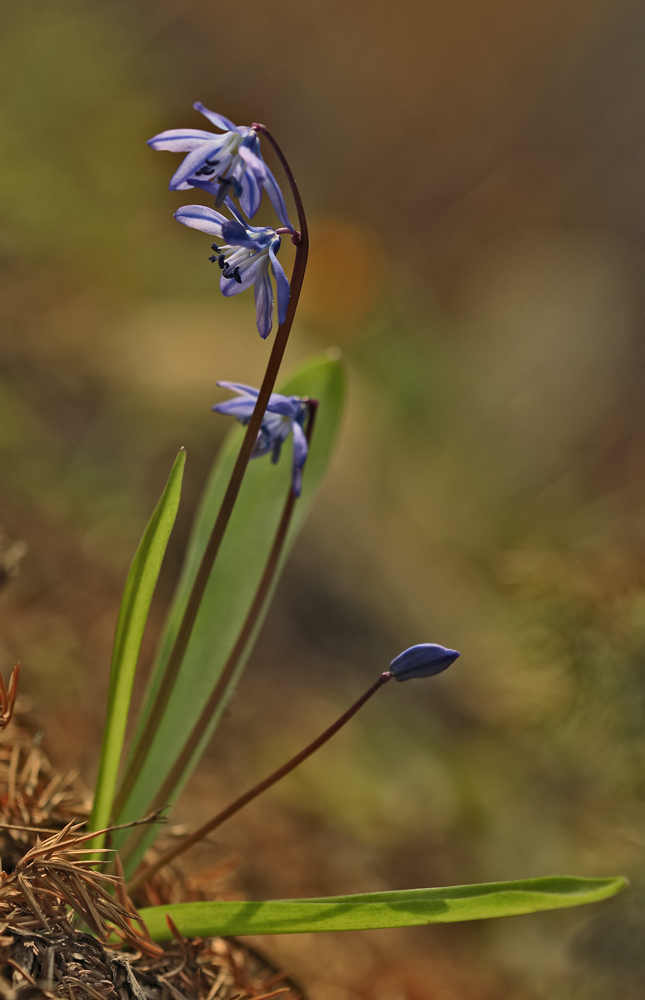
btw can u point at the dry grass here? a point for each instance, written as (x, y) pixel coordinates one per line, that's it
(51, 880)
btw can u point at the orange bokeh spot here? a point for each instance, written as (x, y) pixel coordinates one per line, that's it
(343, 275)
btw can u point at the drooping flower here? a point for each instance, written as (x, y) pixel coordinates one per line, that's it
(424, 660)
(247, 255)
(283, 416)
(231, 160)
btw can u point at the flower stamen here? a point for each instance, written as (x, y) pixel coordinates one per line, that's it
(246, 258)
(225, 186)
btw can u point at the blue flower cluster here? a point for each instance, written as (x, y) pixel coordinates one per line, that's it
(284, 415)
(224, 164)
(229, 165)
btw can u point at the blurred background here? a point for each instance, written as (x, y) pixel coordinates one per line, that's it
(474, 176)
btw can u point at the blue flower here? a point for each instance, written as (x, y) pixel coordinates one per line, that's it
(283, 416)
(424, 660)
(247, 255)
(232, 160)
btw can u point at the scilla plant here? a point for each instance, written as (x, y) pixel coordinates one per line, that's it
(252, 509)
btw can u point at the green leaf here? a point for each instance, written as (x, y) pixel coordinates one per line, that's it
(371, 910)
(130, 626)
(234, 579)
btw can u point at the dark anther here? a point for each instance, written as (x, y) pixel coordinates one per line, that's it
(212, 259)
(211, 163)
(236, 275)
(226, 186)
(215, 247)
(221, 261)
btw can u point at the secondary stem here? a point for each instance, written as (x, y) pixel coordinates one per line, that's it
(212, 548)
(262, 786)
(174, 777)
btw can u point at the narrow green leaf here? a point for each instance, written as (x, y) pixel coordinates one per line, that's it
(234, 579)
(133, 613)
(372, 910)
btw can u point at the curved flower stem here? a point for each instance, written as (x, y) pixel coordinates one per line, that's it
(262, 786)
(303, 236)
(263, 589)
(212, 548)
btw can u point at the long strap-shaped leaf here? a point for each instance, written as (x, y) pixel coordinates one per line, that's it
(130, 627)
(233, 582)
(405, 908)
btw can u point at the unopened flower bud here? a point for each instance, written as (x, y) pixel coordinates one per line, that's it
(424, 660)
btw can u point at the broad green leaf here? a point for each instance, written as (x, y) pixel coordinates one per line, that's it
(235, 576)
(130, 626)
(372, 910)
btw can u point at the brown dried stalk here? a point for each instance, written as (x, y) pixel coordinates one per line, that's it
(47, 881)
(49, 959)
(51, 879)
(8, 696)
(35, 798)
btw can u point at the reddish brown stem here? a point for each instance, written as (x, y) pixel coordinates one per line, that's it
(262, 786)
(182, 639)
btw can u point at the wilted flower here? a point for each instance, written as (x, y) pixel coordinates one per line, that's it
(283, 416)
(424, 660)
(232, 160)
(247, 254)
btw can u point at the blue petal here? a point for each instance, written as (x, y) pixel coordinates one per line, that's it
(281, 283)
(229, 286)
(241, 409)
(240, 387)
(181, 140)
(286, 406)
(300, 446)
(211, 187)
(263, 445)
(424, 660)
(275, 427)
(203, 218)
(238, 236)
(263, 300)
(280, 406)
(193, 162)
(219, 120)
(265, 233)
(251, 194)
(296, 481)
(235, 212)
(238, 215)
(275, 197)
(254, 163)
(277, 449)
